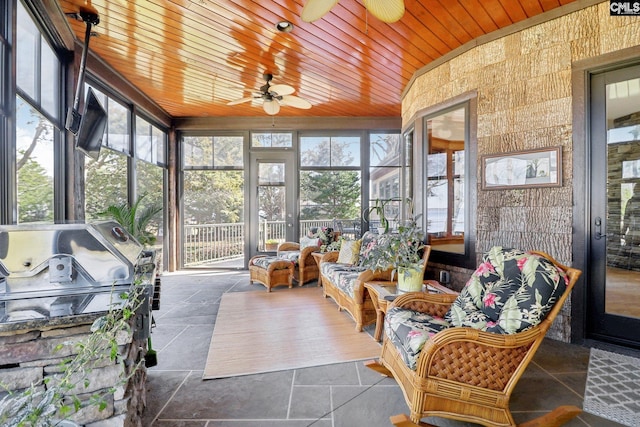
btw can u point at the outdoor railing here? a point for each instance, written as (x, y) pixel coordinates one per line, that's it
(207, 243)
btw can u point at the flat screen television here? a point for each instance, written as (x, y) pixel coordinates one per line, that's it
(92, 126)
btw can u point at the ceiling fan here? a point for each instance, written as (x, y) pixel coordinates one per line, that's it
(273, 96)
(385, 10)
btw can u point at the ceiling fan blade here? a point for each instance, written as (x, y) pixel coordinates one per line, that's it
(240, 101)
(316, 9)
(271, 107)
(282, 90)
(296, 101)
(385, 10)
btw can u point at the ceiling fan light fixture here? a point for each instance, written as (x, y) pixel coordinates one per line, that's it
(284, 26)
(388, 11)
(316, 9)
(271, 107)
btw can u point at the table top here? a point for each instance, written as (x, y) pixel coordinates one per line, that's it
(388, 290)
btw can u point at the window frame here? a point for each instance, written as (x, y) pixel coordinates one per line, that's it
(421, 151)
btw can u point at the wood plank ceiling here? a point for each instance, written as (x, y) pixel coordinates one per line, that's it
(193, 56)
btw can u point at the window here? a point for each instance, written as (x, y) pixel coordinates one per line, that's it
(37, 115)
(325, 151)
(150, 148)
(385, 176)
(106, 183)
(446, 180)
(213, 152)
(34, 164)
(150, 142)
(271, 140)
(212, 199)
(330, 183)
(118, 127)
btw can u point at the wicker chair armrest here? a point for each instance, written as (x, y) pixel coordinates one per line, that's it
(432, 304)
(368, 276)
(330, 257)
(305, 255)
(288, 246)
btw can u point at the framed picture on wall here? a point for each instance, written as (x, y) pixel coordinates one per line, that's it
(522, 169)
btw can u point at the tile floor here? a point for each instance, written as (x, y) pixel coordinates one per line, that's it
(339, 395)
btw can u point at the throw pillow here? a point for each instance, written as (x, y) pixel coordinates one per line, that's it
(309, 241)
(510, 292)
(349, 251)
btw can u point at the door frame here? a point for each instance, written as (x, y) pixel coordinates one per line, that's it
(288, 157)
(603, 325)
(581, 73)
(581, 160)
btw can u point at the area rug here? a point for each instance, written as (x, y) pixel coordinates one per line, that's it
(259, 331)
(613, 387)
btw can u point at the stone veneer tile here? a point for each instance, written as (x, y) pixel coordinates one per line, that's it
(547, 87)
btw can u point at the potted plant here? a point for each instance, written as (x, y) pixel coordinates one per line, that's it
(135, 220)
(271, 245)
(379, 209)
(401, 251)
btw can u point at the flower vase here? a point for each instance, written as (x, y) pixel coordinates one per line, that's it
(410, 280)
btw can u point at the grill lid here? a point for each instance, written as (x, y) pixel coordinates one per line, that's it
(104, 253)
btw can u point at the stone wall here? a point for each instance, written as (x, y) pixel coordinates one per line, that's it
(29, 354)
(524, 101)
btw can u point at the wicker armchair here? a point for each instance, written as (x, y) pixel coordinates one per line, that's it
(306, 268)
(464, 373)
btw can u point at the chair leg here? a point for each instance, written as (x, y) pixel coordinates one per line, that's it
(403, 420)
(378, 367)
(555, 418)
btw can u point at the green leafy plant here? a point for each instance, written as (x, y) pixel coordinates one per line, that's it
(135, 220)
(379, 208)
(49, 403)
(401, 250)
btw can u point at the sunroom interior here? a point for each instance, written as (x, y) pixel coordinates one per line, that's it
(422, 113)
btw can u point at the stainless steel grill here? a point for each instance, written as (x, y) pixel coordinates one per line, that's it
(49, 270)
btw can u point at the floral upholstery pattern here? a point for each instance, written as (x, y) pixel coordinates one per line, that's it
(367, 243)
(509, 292)
(342, 275)
(265, 261)
(409, 330)
(292, 256)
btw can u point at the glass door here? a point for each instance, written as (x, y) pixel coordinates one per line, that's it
(614, 285)
(273, 218)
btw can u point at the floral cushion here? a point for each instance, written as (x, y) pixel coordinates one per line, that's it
(511, 291)
(409, 330)
(368, 241)
(309, 241)
(292, 256)
(265, 261)
(341, 275)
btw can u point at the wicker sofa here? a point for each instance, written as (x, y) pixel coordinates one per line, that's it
(344, 283)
